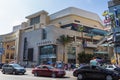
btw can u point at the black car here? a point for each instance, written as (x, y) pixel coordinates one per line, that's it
(13, 69)
(117, 69)
(86, 72)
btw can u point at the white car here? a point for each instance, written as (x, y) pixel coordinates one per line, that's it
(110, 66)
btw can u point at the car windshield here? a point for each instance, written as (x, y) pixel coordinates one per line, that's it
(16, 65)
(50, 67)
(89, 67)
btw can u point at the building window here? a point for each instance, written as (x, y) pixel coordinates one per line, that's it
(47, 53)
(77, 21)
(95, 25)
(7, 56)
(8, 46)
(44, 34)
(35, 20)
(25, 49)
(30, 54)
(12, 56)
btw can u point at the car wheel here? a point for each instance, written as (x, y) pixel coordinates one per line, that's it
(108, 77)
(3, 72)
(53, 75)
(35, 74)
(14, 72)
(80, 77)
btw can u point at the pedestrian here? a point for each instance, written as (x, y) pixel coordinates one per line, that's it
(65, 66)
(93, 62)
(69, 66)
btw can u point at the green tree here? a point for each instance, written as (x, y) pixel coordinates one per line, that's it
(64, 40)
(84, 58)
(81, 29)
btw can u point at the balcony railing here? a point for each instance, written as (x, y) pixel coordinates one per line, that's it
(90, 44)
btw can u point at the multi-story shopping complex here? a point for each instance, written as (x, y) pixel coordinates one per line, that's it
(36, 40)
(114, 10)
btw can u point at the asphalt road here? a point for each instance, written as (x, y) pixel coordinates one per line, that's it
(29, 76)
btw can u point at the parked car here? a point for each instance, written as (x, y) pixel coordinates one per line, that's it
(47, 70)
(13, 69)
(117, 69)
(97, 73)
(109, 66)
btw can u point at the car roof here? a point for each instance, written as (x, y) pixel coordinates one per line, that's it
(12, 63)
(44, 65)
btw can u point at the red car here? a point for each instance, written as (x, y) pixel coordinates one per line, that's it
(47, 70)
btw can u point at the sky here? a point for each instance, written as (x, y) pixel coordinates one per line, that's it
(13, 12)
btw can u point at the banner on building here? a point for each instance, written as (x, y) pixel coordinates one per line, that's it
(1, 51)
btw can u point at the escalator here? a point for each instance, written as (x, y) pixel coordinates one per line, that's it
(102, 41)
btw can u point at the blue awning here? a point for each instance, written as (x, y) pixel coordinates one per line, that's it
(101, 52)
(99, 32)
(90, 34)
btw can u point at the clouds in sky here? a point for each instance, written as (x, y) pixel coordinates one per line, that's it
(13, 12)
(89, 1)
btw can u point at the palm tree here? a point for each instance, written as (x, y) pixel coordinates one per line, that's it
(81, 29)
(64, 40)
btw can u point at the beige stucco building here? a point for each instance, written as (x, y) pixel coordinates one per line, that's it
(36, 39)
(10, 43)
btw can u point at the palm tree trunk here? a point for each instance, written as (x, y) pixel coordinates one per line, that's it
(82, 41)
(64, 53)
(92, 39)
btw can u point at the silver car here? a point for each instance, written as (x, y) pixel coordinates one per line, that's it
(13, 69)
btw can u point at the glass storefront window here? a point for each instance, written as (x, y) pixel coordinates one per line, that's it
(47, 53)
(71, 54)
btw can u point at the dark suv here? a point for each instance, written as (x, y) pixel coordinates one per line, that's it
(13, 69)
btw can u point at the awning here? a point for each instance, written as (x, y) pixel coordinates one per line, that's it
(90, 34)
(107, 45)
(100, 52)
(48, 56)
(99, 32)
(104, 44)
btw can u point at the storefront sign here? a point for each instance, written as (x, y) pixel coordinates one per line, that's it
(46, 42)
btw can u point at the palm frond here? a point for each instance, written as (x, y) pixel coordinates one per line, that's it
(64, 39)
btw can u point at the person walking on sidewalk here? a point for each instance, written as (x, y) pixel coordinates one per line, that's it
(93, 62)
